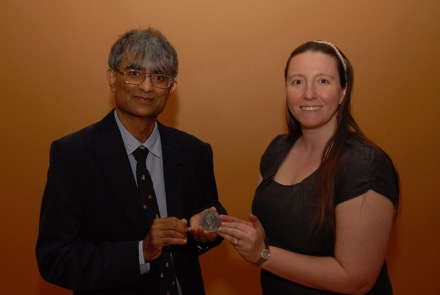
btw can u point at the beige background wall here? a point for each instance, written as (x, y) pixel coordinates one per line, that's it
(230, 93)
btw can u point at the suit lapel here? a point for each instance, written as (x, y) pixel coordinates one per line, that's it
(112, 156)
(173, 166)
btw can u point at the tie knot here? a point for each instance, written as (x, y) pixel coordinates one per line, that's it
(140, 154)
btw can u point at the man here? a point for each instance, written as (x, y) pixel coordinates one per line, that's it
(95, 236)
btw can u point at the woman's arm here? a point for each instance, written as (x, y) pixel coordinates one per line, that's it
(363, 227)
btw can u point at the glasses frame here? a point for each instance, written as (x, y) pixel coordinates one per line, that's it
(171, 79)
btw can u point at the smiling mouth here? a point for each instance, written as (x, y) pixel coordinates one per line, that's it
(311, 108)
(141, 98)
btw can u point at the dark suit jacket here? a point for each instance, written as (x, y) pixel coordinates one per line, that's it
(91, 218)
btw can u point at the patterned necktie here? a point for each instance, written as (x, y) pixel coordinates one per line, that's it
(167, 276)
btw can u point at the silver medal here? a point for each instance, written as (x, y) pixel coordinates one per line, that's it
(210, 220)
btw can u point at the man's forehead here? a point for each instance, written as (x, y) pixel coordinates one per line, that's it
(138, 64)
(152, 64)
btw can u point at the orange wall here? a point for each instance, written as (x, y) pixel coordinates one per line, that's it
(230, 93)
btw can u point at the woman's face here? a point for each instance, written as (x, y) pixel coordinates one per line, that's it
(313, 90)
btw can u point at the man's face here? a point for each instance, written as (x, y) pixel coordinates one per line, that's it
(142, 101)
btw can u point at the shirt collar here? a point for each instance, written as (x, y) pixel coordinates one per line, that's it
(153, 143)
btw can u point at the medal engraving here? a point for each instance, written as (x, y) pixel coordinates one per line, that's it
(210, 221)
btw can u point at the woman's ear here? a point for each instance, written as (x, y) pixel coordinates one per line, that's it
(343, 92)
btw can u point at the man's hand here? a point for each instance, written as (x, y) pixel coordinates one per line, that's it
(197, 232)
(164, 232)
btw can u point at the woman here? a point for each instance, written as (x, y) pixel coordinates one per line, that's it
(325, 207)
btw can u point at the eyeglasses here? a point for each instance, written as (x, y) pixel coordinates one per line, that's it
(136, 77)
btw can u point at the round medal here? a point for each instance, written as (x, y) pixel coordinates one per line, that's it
(210, 220)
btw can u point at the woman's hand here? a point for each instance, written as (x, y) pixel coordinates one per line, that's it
(247, 237)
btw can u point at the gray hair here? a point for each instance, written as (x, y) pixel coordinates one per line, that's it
(145, 49)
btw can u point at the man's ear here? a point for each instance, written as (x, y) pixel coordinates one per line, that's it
(173, 86)
(111, 76)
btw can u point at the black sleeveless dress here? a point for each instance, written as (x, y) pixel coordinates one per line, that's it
(286, 210)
